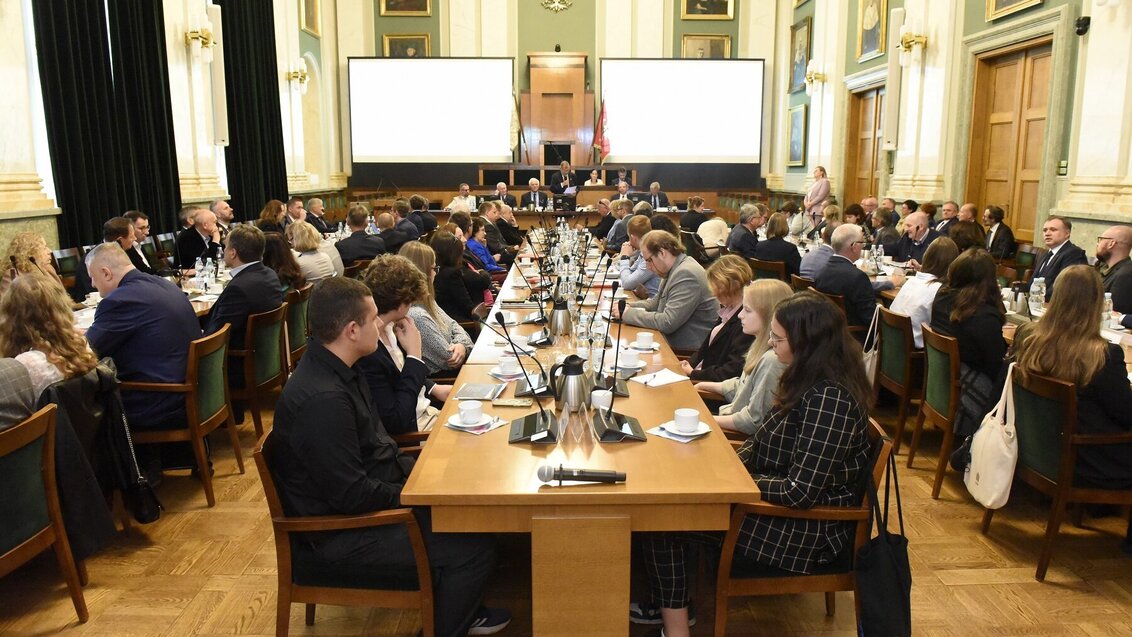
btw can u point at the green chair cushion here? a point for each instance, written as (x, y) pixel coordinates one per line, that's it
(1038, 422)
(267, 355)
(938, 382)
(210, 383)
(23, 494)
(892, 352)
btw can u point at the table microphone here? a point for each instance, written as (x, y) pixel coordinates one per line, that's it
(547, 473)
(541, 318)
(515, 349)
(545, 391)
(547, 424)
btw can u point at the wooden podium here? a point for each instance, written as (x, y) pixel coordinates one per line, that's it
(558, 104)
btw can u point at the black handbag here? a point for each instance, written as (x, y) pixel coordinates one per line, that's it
(139, 496)
(884, 578)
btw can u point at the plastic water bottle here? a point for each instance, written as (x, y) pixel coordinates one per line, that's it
(1037, 295)
(1106, 311)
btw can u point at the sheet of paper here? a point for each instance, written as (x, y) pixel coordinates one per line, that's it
(659, 379)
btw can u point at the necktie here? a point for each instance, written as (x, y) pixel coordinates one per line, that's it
(1045, 262)
(655, 202)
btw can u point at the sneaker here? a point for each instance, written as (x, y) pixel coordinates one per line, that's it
(649, 614)
(489, 621)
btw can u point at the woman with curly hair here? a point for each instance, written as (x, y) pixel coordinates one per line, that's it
(37, 328)
(277, 255)
(27, 252)
(271, 217)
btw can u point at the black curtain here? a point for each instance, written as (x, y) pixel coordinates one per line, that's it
(257, 167)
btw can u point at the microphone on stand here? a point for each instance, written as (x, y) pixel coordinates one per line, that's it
(612, 382)
(536, 427)
(540, 319)
(523, 386)
(547, 473)
(33, 262)
(616, 427)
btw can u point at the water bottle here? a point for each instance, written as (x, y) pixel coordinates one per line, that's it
(1106, 311)
(1037, 295)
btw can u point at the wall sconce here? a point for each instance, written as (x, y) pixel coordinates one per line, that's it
(813, 77)
(298, 76)
(911, 46)
(200, 42)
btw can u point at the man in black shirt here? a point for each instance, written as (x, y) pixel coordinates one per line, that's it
(333, 456)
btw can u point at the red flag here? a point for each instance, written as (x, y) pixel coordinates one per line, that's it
(601, 136)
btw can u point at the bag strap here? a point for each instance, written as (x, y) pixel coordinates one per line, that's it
(871, 335)
(1007, 402)
(891, 483)
(896, 488)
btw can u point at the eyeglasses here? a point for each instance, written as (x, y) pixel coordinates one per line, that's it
(860, 243)
(775, 340)
(648, 260)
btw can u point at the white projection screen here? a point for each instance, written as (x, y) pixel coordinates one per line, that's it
(431, 109)
(670, 111)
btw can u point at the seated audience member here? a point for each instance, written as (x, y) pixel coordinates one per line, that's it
(445, 344)
(145, 324)
(225, 216)
(595, 179)
(948, 214)
(27, 252)
(623, 177)
(1000, 238)
(278, 256)
(271, 217)
(493, 239)
(465, 198)
(928, 208)
(829, 214)
(918, 235)
(316, 211)
(459, 289)
(658, 199)
(563, 179)
(360, 245)
(17, 396)
(692, 219)
(476, 245)
(185, 217)
(389, 233)
(817, 258)
(721, 354)
(37, 328)
(968, 212)
(907, 207)
(420, 216)
(800, 224)
(967, 234)
(619, 232)
(119, 230)
(841, 277)
(140, 223)
(622, 191)
(635, 274)
(854, 214)
(509, 227)
(463, 222)
(200, 242)
(501, 195)
(405, 225)
(885, 235)
(604, 222)
(254, 289)
(333, 456)
(808, 452)
(396, 374)
(643, 208)
(534, 198)
(869, 203)
(305, 240)
(776, 247)
(665, 223)
(1065, 346)
(684, 310)
(744, 239)
(1114, 265)
(969, 308)
(295, 212)
(917, 295)
(750, 394)
(713, 235)
(1062, 253)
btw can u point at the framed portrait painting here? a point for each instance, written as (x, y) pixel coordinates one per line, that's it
(799, 53)
(409, 45)
(871, 28)
(706, 46)
(419, 8)
(796, 128)
(309, 18)
(707, 9)
(999, 8)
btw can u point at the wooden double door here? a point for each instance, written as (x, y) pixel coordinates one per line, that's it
(863, 172)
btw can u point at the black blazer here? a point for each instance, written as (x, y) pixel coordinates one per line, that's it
(393, 239)
(394, 391)
(539, 199)
(840, 276)
(907, 249)
(408, 228)
(604, 225)
(558, 183)
(459, 290)
(981, 345)
(1003, 245)
(692, 220)
(742, 241)
(319, 224)
(944, 225)
(1051, 265)
(511, 235)
(360, 245)
(254, 290)
(1102, 408)
(661, 199)
(136, 258)
(779, 249)
(723, 357)
(189, 246)
(508, 199)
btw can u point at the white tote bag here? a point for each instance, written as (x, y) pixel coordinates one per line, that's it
(872, 355)
(994, 452)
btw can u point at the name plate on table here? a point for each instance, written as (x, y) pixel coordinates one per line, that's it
(617, 427)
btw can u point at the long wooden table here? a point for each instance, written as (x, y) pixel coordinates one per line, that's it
(580, 534)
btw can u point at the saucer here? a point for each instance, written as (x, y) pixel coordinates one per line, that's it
(499, 373)
(455, 421)
(702, 429)
(651, 348)
(623, 367)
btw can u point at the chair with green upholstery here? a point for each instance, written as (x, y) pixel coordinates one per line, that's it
(940, 398)
(1045, 421)
(67, 263)
(298, 331)
(901, 365)
(265, 360)
(1025, 258)
(149, 249)
(33, 521)
(207, 404)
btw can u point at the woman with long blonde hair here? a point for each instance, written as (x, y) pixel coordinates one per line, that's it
(752, 392)
(444, 343)
(27, 252)
(37, 328)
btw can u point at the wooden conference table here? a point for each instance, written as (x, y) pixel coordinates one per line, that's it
(580, 534)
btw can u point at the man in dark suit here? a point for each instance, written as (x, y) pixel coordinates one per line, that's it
(534, 197)
(254, 289)
(389, 234)
(918, 235)
(1000, 238)
(360, 244)
(405, 225)
(605, 223)
(657, 198)
(315, 216)
(509, 227)
(622, 191)
(145, 324)
(743, 239)
(1062, 253)
(123, 231)
(501, 195)
(224, 216)
(948, 212)
(841, 277)
(202, 241)
(420, 216)
(503, 253)
(563, 179)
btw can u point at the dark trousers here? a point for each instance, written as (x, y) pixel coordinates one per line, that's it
(460, 563)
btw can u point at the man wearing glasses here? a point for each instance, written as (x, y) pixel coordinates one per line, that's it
(1113, 263)
(843, 278)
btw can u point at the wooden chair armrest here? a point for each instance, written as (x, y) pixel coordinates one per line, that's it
(814, 513)
(684, 354)
(411, 437)
(414, 451)
(340, 522)
(710, 395)
(180, 388)
(735, 444)
(735, 436)
(1102, 439)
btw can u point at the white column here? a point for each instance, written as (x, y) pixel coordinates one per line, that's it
(827, 101)
(21, 187)
(648, 29)
(463, 28)
(290, 99)
(330, 92)
(756, 40)
(774, 164)
(356, 38)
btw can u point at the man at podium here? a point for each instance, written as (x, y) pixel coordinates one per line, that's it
(565, 178)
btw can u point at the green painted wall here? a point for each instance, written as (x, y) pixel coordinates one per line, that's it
(800, 13)
(851, 64)
(397, 25)
(574, 30)
(709, 27)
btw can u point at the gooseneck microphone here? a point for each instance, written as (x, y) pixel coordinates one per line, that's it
(545, 390)
(515, 348)
(544, 429)
(537, 297)
(33, 262)
(547, 473)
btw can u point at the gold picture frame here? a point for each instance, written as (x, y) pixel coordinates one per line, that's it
(798, 3)
(999, 8)
(796, 137)
(406, 45)
(705, 46)
(801, 43)
(405, 8)
(707, 9)
(872, 28)
(310, 19)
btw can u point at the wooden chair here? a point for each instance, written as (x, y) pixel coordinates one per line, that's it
(67, 263)
(743, 578)
(694, 248)
(33, 519)
(304, 578)
(167, 244)
(298, 331)
(800, 283)
(1026, 257)
(898, 366)
(356, 268)
(149, 249)
(207, 404)
(839, 301)
(1005, 275)
(940, 397)
(265, 360)
(768, 269)
(1045, 415)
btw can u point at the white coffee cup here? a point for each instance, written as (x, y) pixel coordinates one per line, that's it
(644, 340)
(687, 420)
(629, 358)
(601, 399)
(471, 411)
(509, 366)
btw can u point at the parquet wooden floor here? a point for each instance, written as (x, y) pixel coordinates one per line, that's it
(201, 571)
